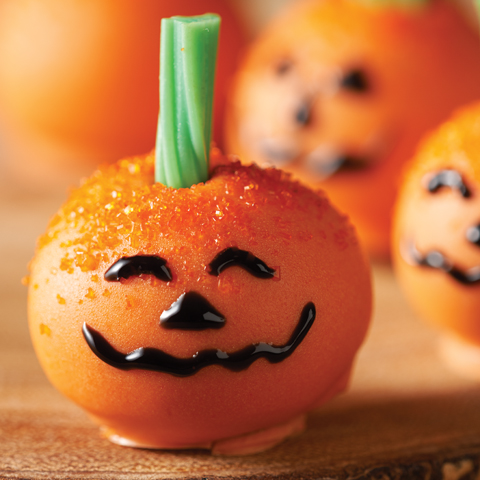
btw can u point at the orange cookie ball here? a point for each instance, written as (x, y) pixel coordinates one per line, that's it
(194, 317)
(83, 75)
(339, 92)
(436, 241)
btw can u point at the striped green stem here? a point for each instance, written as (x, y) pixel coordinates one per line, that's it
(187, 73)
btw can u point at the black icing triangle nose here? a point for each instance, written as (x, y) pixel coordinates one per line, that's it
(191, 312)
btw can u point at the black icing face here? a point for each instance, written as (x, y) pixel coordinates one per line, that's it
(438, 260)
(191, 311)
(294, 128)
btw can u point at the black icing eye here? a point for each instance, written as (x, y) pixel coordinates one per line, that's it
(473, 235)
(355, 80)
(283, 67)
(139, 264)
(233, 256)
(451, 179)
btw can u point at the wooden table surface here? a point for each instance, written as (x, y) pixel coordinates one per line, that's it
(405, 416)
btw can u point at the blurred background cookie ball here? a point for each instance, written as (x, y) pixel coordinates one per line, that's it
(339, 92)
(436, 241)
(79, 79)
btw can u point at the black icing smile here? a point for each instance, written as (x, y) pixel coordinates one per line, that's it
(145, 358)
(438, 261)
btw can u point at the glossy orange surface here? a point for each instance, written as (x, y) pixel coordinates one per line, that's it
(120, 212)
(339, 93)
(442, 221)
(82, 75)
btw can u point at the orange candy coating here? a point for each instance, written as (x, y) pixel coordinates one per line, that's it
(439, 221)
(120, 212)
(83, 75)
(418, 64)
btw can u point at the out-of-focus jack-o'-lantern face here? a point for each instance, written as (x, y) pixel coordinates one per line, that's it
(436, 241)
(339, 93)
(183, 317)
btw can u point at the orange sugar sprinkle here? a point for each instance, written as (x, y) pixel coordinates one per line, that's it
(456, 141)
(45, 330)
(120, 207)
(130, 302)
(90, 294)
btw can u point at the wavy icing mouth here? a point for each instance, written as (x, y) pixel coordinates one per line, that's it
(323, 162)
(438, 261)
(146, 358)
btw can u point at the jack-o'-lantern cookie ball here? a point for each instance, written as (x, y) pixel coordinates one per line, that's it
(436, 241)
(339, 92)
(213, 315)
(80, 78)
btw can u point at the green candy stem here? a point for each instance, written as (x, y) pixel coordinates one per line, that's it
(188, 56)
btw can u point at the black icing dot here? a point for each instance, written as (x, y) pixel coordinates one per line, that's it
(355, 80)
(283, 67)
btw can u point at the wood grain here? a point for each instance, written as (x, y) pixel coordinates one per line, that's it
(405, 416)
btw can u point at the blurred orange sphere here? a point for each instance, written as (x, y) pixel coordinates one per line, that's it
(436, 241)
(82, 75)
(339, 92)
